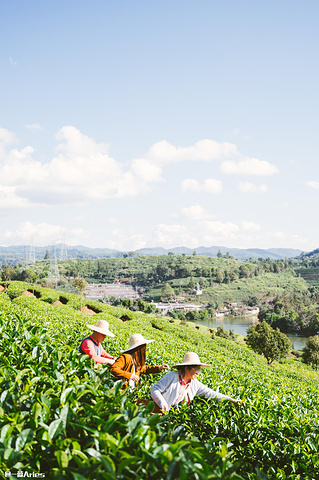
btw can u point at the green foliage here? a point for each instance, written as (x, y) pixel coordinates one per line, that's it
(80, 284)
(310, 354)
(28, 275)
(54, 420)
(273, 344)
(167, 292)
(223, 333)
(15, 289)
(221, 279)
(294, 312)
(127, 302)
(62, 416)
(6, 272)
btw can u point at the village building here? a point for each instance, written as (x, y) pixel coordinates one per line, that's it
(103, 291)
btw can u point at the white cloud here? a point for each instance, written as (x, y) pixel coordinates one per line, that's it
(34, 126)
(169, 236)
(191, 185)
(196, 212)
(20, 171)
(120, 239)
(82, 169)
(147, 171)
(249, 166)
(9, 200)
(210, 185)
(6, 138)
(76, 232)
(218, 227)
(16, 168)
(228, 234)
(313, 184)
(40, 230)
(163, 153)
(42, 234)
(248, 187)
(12, 62)
(251, 226)
(207, 150)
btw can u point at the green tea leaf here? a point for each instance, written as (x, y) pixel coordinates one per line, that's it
(78, 476)
(24, 437)
(55, 428)
(66, 394)
(62, 458)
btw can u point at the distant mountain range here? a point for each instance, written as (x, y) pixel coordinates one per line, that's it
(21, 253)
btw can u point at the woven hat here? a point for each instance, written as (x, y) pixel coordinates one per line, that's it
(135, 341)
(191, 358)
(102, 326)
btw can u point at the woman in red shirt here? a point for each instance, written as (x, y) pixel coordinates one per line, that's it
(91, 345)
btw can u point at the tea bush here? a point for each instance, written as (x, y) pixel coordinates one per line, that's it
(61, 416)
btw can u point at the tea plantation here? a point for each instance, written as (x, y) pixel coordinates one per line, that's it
(62, 418)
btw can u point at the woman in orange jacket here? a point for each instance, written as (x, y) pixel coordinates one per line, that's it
(131, 363)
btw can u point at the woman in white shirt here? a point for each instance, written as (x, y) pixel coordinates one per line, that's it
(182, 385)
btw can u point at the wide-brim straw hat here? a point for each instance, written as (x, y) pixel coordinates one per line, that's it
(102, 326)
(135, 341)
(190, 358)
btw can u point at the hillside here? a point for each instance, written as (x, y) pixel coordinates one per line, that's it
(61, 417)
(20, 253)
(238, 253)
(307, 266)
(309, 274)
(313, 255)
(220, 279)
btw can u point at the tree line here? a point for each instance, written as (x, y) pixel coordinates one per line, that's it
(148, 271)
(294, 312)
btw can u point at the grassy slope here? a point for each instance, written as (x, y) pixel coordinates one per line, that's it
(267, 285)
(277, 429)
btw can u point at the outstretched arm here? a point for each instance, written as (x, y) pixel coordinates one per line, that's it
(88, 348)
(104, 354)
(205, 391)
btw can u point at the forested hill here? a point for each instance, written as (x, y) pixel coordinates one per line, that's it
(310, 256)
(171, 276)
(20, 253)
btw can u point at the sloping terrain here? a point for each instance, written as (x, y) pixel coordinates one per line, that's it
(62, 417)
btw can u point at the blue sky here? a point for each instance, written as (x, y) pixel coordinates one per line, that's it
(135, 124)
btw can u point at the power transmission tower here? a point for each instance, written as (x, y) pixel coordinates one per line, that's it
(63, 251)
(29, 254)
(53, 274)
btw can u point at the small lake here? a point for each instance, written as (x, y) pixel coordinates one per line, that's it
(240, 324)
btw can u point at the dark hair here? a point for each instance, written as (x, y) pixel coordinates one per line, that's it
(138, 356)
(182, 369)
